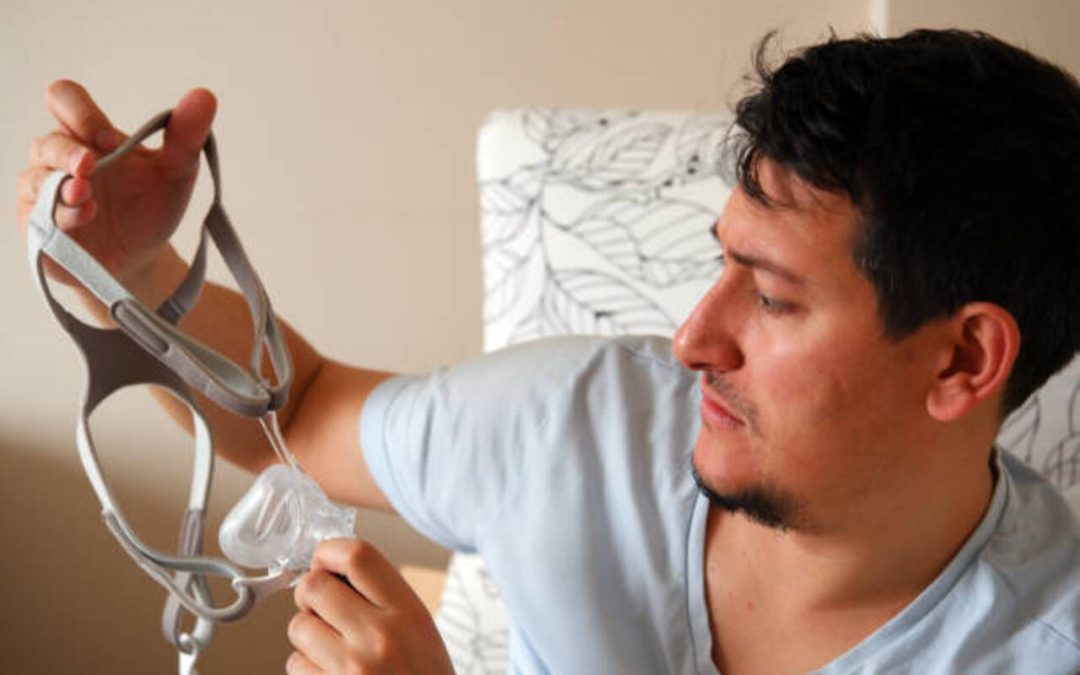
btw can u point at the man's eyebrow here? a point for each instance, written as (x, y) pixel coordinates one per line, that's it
(769, 266)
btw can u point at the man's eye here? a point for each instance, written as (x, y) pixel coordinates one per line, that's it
(772, 305)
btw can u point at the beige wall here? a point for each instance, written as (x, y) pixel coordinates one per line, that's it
(1047, 27)
(346, 133)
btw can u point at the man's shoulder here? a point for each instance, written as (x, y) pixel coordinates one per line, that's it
(1015, 608)
(1037, 530)
(1032, 561)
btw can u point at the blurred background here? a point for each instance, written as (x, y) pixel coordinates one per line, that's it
(346, 131)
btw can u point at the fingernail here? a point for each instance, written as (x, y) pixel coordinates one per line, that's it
(74, 160)
(107, 139)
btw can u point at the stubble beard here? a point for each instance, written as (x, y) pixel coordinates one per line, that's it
(764, 505)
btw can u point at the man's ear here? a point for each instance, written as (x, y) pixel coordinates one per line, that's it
(982, 343)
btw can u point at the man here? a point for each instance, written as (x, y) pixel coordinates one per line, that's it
(804, 479)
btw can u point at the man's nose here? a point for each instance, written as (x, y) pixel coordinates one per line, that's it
(705, 341)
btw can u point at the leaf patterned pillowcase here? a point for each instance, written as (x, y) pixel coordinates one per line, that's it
(598, 222)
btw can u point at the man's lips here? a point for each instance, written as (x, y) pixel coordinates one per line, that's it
(716, 412)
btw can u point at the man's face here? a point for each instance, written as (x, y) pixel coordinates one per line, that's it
(808, 409)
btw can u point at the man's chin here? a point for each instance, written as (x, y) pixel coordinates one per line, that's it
(725, 465)
(762, 504)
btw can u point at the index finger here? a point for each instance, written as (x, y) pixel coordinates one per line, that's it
(366, 570)
(76, 111)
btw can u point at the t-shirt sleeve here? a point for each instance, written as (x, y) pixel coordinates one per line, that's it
(447, 448)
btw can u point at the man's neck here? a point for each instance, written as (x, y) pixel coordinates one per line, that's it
(843, 582)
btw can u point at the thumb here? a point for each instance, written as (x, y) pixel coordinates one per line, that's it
(189, 126)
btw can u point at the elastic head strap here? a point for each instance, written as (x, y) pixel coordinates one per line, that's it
(155, 564)
(241, 389)
(149, 349)
(190, 544)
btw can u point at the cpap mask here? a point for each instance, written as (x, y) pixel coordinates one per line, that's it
(277, 524)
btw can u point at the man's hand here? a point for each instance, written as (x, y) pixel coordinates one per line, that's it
(125, 216)
(373, 623)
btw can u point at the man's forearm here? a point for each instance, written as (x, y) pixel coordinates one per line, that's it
(221, 320)
(325, 399)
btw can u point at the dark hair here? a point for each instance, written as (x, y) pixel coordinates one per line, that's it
(961, 155)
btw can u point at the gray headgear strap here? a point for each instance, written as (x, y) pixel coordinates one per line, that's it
(148, 348)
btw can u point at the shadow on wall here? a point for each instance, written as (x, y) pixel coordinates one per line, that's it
(75, 603)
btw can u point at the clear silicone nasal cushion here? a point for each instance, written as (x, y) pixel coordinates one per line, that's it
(283, 516)
(280, 520)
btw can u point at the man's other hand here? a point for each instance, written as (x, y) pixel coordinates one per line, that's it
(358, 615)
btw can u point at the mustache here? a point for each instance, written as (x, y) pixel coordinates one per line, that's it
(734, 400)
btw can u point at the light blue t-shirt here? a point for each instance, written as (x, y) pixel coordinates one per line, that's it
(566, 464)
